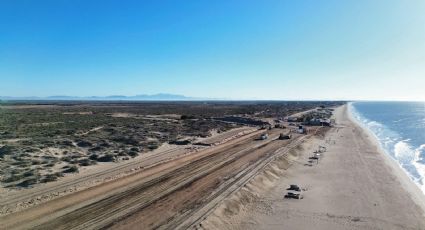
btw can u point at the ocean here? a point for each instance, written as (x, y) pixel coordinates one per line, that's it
(400, 129)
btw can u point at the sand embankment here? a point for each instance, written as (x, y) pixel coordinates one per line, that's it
(354, 186)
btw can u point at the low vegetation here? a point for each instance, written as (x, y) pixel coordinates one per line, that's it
(42, 141)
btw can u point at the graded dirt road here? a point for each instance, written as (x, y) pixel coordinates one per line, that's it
(14, 201)
(162, 195)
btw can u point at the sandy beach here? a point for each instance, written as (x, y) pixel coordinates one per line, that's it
(354, 186)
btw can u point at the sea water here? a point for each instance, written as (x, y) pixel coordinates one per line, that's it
(400, 129)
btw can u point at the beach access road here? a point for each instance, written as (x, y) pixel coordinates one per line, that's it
(354, 186)
(161, 196)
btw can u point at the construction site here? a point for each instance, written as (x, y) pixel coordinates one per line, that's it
(172, 187)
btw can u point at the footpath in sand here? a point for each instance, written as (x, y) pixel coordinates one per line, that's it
(354, 186)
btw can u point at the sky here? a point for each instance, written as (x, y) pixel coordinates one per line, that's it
(265, 49)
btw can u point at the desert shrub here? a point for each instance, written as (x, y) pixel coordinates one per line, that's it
(27, 142)
(106, 158)
(66, 158)
(180, 142)
(15, 171)
(25, 155)
(49, 165)
(95, 149)
(86, 162)
(22, 163)
(83, 143)
(71, 169)
(35, 162)
(5, 150)
(76, 156)
(133, 153)
(29, 173)
(134, 149)
(105, 144)
(13, 178)
(52, 158)
(185, 117)
(70, 132)
(126, 140)
(94, 157)
(28, 182)
(153, 145)
(47, 143)
(49, 178)
(30, 150)
(110, 130)
(66, 143)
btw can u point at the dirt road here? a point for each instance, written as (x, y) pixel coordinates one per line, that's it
(160, 196)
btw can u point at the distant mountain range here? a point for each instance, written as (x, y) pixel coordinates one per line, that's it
(142, 97)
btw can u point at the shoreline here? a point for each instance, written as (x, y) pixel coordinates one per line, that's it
(410, 186)
(354, 186)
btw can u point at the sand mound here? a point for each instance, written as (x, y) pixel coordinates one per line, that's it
(229, 213)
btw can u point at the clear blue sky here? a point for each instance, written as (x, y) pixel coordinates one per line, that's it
(284, 49)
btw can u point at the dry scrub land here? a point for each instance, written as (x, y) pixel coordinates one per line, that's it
(42, 141)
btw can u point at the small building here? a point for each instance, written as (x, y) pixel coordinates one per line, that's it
(301, 129)
(279, 126)
(325, 122)
(318, 122)
(291, 119)
(314, 121)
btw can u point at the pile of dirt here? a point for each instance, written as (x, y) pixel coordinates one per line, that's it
(228, 214)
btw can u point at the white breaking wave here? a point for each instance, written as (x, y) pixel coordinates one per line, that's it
(410, 159)
(402, 150)
(419, 157)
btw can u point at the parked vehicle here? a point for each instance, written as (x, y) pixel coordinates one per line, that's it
(284, 137)
(292, 195)
(294, 187)
(264, 136)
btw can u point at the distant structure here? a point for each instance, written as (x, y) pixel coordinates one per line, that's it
(301, 129)
(284, 137)
(291, 119)
(319, 122)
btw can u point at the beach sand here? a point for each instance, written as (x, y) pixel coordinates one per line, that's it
(354, 186)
